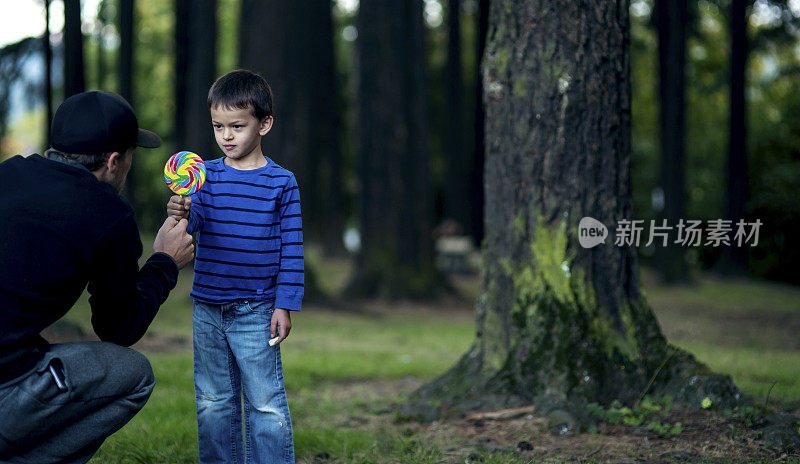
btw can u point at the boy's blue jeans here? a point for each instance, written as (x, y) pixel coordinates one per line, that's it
(234, 366)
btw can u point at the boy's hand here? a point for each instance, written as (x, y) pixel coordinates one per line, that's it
(281, 324)
(178, 207)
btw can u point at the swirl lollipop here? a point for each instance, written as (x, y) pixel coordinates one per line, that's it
(185, 173)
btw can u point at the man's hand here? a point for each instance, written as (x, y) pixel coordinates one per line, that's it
(178, 207)
(281, 324)
(173, 240)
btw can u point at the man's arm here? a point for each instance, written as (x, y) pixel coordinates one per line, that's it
(124, 298)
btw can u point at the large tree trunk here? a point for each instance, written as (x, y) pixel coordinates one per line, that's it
(291, 45)
(195, 71)
(396, 258)
(559, 325)
(74, 81)
(273, 43)
(671, 18)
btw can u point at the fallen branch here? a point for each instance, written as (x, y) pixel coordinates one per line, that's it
(502, 414)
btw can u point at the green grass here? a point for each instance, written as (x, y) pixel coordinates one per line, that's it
(754, 370)
(331, 346)
(165, 429)
(324, 349)
(729, 296)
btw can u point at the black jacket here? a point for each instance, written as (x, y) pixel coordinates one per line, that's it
(61, 228)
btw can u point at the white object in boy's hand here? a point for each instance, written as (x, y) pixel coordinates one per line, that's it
(273, 341)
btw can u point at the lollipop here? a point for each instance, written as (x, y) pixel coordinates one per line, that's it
(185, 173)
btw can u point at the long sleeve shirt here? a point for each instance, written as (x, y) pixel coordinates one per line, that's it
(61, 229)
(249, 236)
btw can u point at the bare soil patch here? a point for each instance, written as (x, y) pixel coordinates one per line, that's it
(707, 436)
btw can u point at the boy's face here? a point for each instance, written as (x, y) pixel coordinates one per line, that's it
(238, 132)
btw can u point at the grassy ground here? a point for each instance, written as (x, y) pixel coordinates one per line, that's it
(345, 367)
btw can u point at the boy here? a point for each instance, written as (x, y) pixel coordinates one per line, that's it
(248, 277)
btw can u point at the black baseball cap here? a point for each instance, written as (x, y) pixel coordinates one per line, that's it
(98, 122)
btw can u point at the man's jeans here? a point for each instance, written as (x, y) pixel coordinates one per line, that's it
(234, 366)
(75, 397)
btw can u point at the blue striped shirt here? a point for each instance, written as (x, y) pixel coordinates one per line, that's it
(249, 236)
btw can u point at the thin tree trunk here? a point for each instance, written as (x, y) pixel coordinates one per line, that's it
(125, 88)
(325, 126)
(101, 61)
(74, 80)
(396, 258)
(48, 71)
(272, 44)
(476, 171)
(195, 72)
(560, 325)
(733, 260)
(671, 18)
(275, 41)
(182, 45)
(456, 207)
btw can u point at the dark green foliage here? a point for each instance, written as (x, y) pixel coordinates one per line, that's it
(653, 412)
(749, 416)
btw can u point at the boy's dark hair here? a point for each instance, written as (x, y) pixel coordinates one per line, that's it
(242, 89)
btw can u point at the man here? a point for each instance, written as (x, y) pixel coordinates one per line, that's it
(63, 225)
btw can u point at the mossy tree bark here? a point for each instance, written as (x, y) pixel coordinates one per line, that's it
(559, 325)
(395, 210)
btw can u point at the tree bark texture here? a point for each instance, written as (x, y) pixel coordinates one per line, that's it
(559, 325)
(396, 258)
